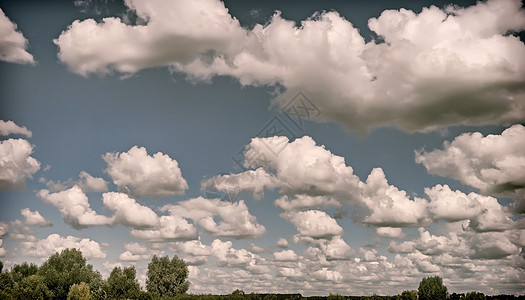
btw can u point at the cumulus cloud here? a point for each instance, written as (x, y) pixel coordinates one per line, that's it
(74, 207)
(89, 183)
(255, 181)
(410, 76)
(13, 44)
(128, 212)
(285, 255)
(9, 127)
(34, 218)
(282, 243)
(493, 164)
(492, 245)
(389, 206)
(236, 220)
(56, 243)
(302, 167)
(389, 232)
(315, 224)
(484, 212)
(170, 228)
(144, 175)
(16, 163)
(134, 252)
(305, 202)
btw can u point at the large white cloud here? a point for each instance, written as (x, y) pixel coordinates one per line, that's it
(236, 220)
(56, 243)
(89, 183)
(74, 207)
(494, 164)
(484, 212)
(128, 212)
(9, 127)
(34, 218)
(170, 228)
(390, 206)
(413, 79)
(13, 44)
(145, 175)
(175, 31)
(313, 223)
(302, 167)
(16, 163)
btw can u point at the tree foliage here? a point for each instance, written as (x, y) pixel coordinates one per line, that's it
(79, 292)
(475, 296)
(432, 288)
(122, 284)
(167, 277)
(63, 270)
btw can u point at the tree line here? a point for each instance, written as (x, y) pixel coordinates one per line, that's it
(67, 276)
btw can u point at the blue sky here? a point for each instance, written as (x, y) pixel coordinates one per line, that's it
(122, 120)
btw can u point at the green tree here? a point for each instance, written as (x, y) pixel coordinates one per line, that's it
(432, 288)
(33, 287)
(167, 277)
(79, 292)
(475, 296)
(69, 267)
(122, 284)
(23, 270)
(335, 297)
(408, 295)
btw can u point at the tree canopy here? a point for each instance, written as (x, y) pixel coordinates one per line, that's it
(122, 284)
(69, 267)
(167, 277)
(432, 288)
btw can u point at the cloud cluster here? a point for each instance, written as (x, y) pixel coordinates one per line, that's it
(74, 207)
(16, 163)
(493, 164)
(310, 176)
(9, 127)
(34, 218)
(13, 44)
(236, 220)
(143, 175)
(410, 76)
(55, 243)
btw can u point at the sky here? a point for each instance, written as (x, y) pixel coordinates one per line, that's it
(308, 147)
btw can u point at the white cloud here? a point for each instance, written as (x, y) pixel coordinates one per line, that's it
(16, 163)
(412, 80)
(145, 175)
(56, 243)
(9, 127)
(484, 212)
(134, 252)
(171, 228)
(389, 232)
(34, 218)
(313, 223)
(13, 44)
(89, 183)
(285, 255)
(128, 212)
(494, 164)
(305, 202)
(236, 220)
(252, 180)
(389, 206)
(492, 245)
(74, 207)
(302, 167)
(3, 251)
(282, 243)
(178, 31)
